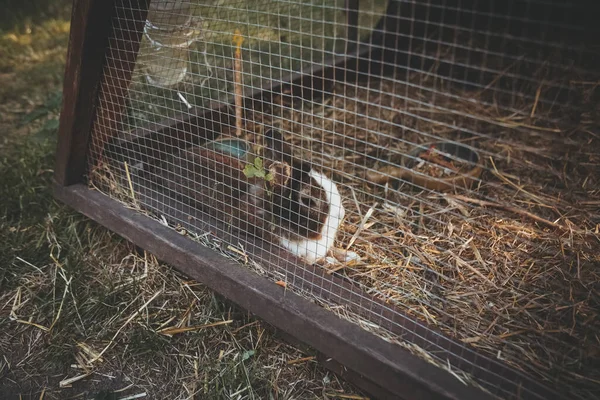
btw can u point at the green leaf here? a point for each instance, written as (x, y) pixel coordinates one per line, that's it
(257, 170)
(269, 177)
(250, 171)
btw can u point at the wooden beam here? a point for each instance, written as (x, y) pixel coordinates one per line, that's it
(88, 39)
(94, 74)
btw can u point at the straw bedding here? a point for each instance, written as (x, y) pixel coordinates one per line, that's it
(509, 266)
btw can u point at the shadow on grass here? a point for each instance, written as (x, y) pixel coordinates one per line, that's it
(21, 15)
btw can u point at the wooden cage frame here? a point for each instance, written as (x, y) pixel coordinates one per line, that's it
(381, 368)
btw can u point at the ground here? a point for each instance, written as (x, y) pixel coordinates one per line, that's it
(86, 315)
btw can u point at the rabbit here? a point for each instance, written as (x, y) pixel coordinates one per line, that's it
(284, 200)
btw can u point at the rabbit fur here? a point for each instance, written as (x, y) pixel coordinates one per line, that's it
(299, 208)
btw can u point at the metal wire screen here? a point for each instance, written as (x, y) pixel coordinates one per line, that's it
(465, 153)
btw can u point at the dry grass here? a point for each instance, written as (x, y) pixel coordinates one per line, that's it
(509, 267)
(84, 314)
(97, 317)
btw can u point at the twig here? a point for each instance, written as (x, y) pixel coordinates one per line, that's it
(521, 125)
(515, 210)
(67, 284)
(13, 312)
(131, 318)
(362, 225)
(38, 269)
(537, 99)
(301, 360)
(135, 396)
(347, 396)
(517, 187)
(189, 106)
(472, 269)
(176, 330)
(355, 201)
(244, 327)
(238, 40)
(500, 75)
(130, 184)
(69, 381)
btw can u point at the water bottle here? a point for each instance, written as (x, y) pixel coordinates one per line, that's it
(171, 28)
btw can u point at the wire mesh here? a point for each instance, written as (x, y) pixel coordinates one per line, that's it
(465, 154)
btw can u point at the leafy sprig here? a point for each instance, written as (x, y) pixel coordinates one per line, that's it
(257, 170)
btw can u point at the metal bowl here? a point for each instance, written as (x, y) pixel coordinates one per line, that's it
(455, 151)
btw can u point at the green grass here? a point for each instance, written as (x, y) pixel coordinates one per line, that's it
(70, 290)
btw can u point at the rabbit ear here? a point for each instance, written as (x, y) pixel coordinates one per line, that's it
(277, 149)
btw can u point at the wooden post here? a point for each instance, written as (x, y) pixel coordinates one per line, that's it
(90, 27)
(92, 33)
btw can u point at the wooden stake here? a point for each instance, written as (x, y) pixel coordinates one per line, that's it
(238, 40)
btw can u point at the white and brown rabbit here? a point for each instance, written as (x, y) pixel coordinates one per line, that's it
(278, 198)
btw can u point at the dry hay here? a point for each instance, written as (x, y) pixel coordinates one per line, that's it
(509, 267)
(123, 321)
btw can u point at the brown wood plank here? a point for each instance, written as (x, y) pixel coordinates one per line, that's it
(383, 363)
(88, 39)
(359, 381)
